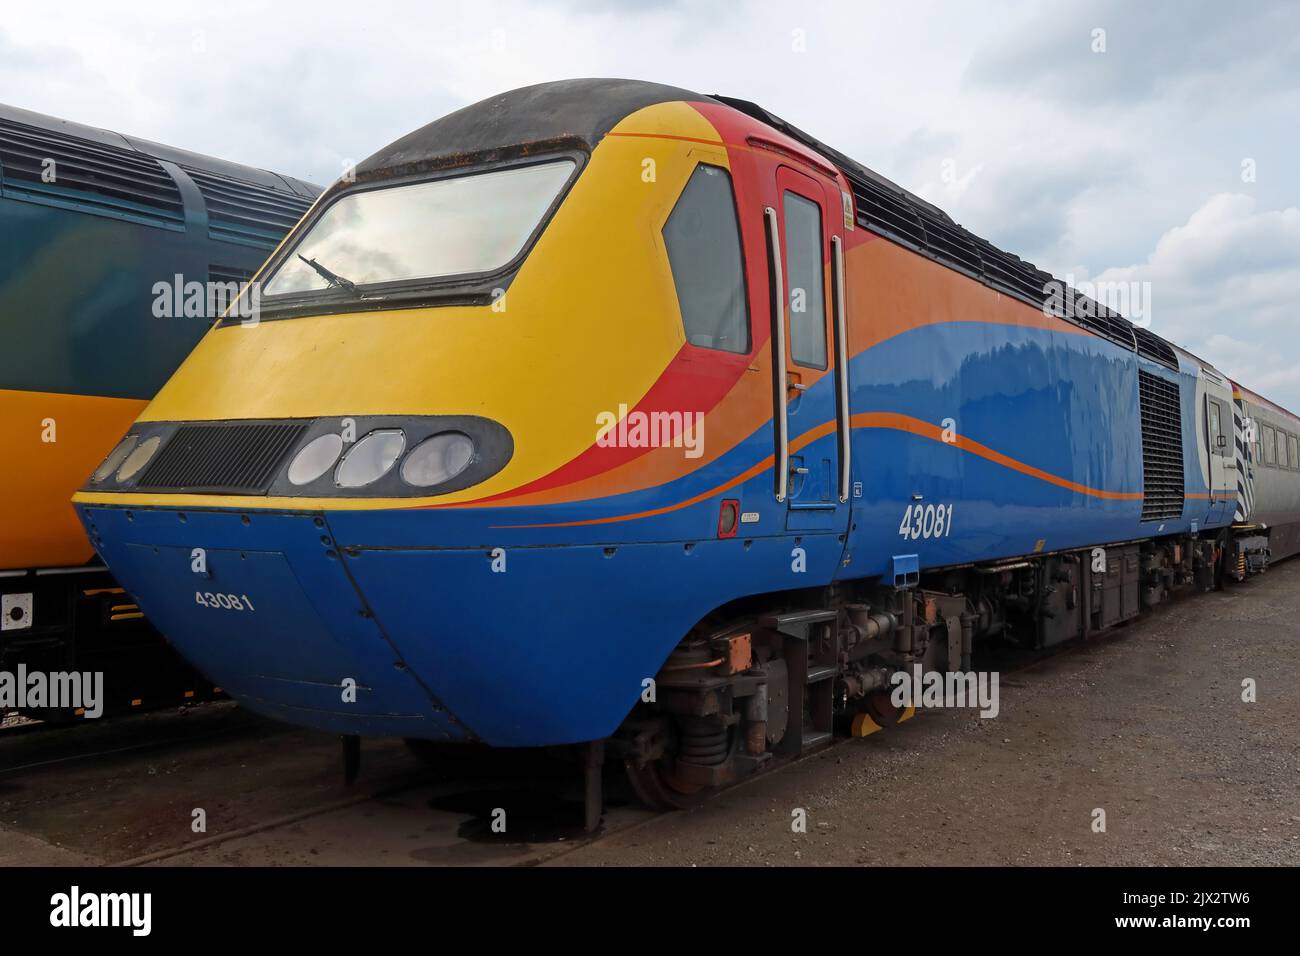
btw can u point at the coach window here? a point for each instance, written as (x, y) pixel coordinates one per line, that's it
(803, 256)
(1294, 444)
(702, 236)
(1270, 450)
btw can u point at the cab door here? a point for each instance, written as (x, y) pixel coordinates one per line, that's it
(1219, 448)
(810, 388)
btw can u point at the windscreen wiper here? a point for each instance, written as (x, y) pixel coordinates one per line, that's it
(332, 278)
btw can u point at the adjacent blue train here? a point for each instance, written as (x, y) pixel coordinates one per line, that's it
(604, 411)
(92, 224)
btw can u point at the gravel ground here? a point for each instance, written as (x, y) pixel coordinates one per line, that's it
(1146, 723)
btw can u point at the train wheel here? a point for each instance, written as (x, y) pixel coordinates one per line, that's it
(699, 743)
(884, 711)
(656, 787)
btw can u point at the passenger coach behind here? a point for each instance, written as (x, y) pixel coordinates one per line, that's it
(399, 478)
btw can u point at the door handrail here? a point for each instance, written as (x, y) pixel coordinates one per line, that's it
(778, 356)
(842, 362)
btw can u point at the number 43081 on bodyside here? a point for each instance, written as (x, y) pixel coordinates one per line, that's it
(224, 602)
(926, 521)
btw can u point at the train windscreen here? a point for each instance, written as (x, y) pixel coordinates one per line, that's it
(462, 225)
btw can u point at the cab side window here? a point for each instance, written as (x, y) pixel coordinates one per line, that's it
(1216, 428)
(1270, 449)
(803, 256)
(702, 236)
(1294, 445)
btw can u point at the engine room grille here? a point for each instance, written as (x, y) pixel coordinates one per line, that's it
(222, 458)
(246, 213)
(1162, 448)
(47, 166)
(1155, 348)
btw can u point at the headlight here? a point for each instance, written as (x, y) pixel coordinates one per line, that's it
(438, 459)
(316, 458)
(371, 458)
(138, 458)
(115, 458)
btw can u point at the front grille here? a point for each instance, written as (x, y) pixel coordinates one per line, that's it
(222, 457)
(1162, 448)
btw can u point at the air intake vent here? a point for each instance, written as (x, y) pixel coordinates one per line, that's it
(223, 458)
(1162, 448)
(247, 214)
(950, 243)
(1155, 348)
(889, 214)
(61, 170)
(229, 274)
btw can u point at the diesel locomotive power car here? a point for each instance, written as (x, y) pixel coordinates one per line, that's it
(90, 222)
(604, 411)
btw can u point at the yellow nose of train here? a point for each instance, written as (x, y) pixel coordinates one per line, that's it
(589, 323)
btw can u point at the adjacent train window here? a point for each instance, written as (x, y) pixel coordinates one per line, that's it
(702, 236)
(1294, 444)
(803, 257)
(1270, 449)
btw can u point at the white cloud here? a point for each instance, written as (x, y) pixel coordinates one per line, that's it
(1226, 285)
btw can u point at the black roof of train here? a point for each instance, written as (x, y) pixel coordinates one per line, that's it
(564, 111)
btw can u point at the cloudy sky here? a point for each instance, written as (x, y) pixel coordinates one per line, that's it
(1105, 140)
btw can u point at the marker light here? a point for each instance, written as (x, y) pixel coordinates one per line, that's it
(316, 458)
(728, 517)
(371, 458)
(438, 459)
(115, 458)
(138, 458)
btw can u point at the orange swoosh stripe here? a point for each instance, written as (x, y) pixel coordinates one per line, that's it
(917, 427)
(889, 420)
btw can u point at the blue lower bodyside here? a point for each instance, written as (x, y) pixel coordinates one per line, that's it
(445, 643)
